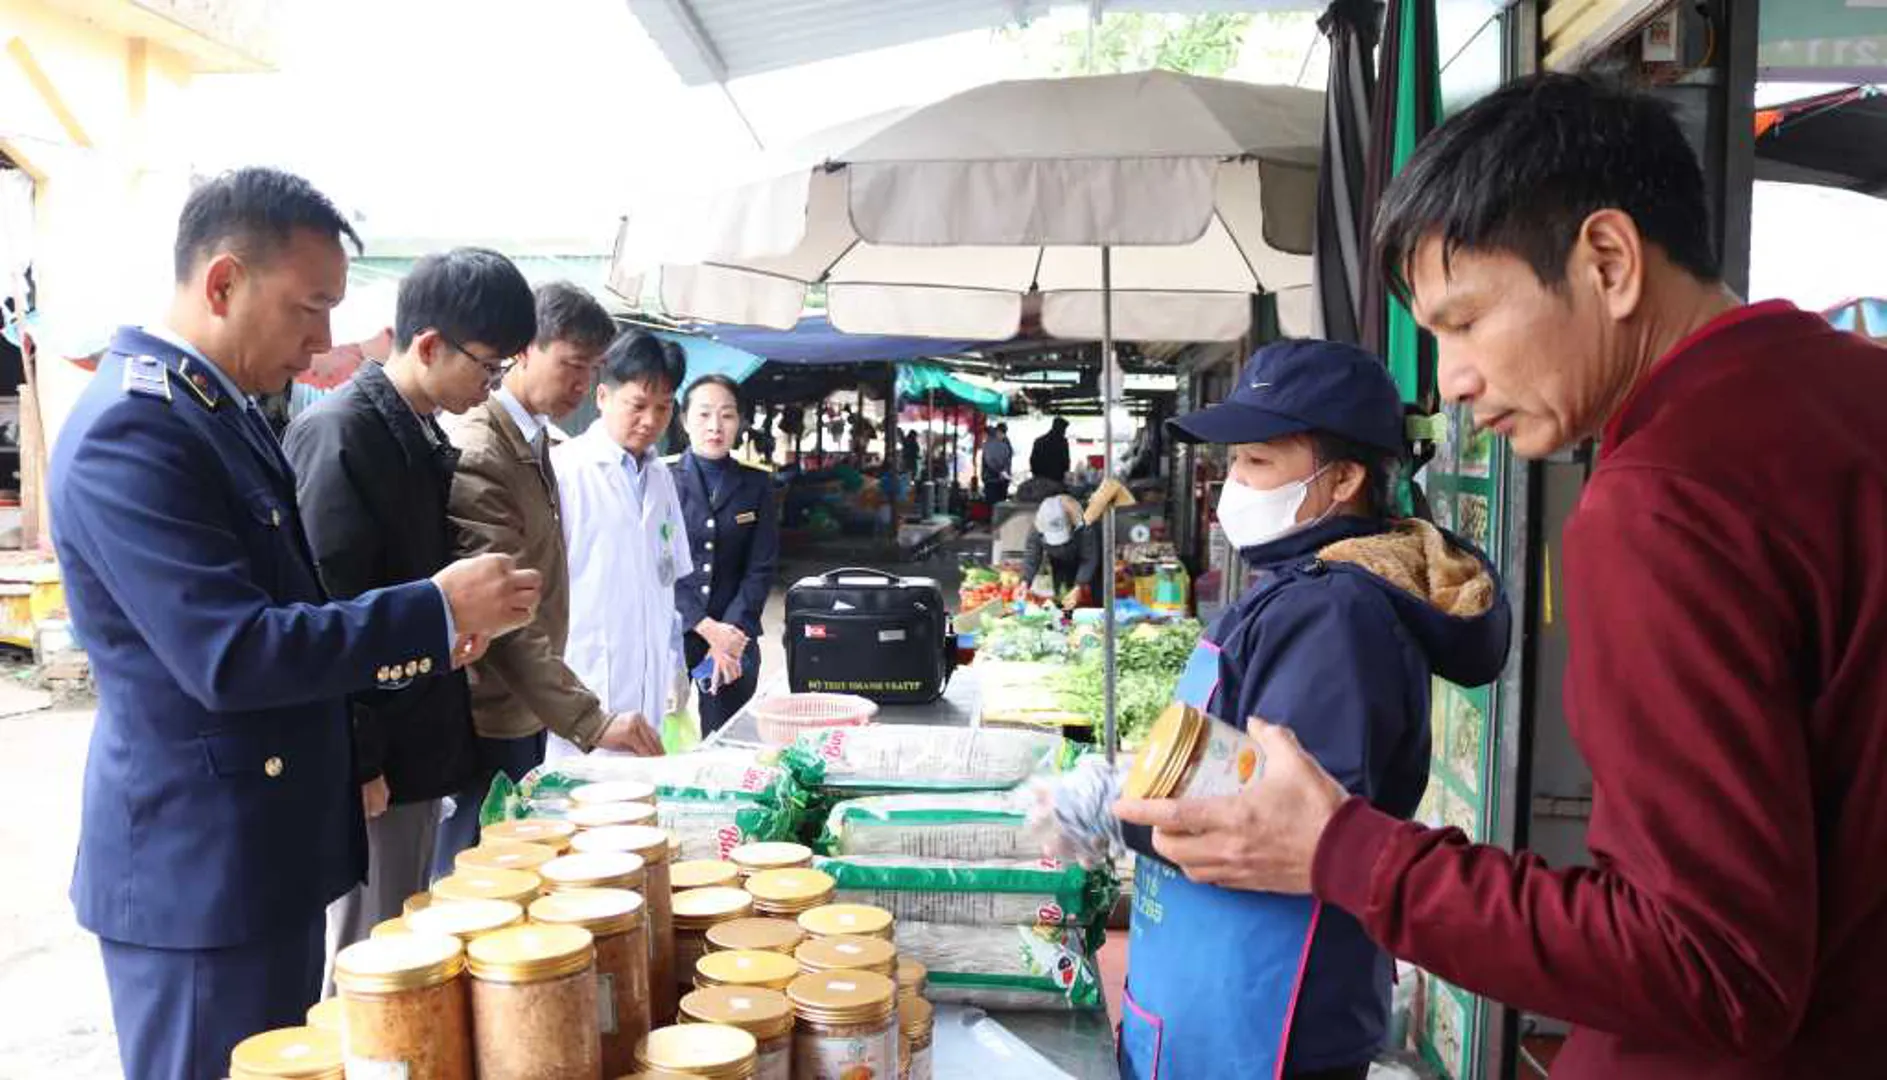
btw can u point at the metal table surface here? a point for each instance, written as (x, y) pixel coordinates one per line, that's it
(957, 708)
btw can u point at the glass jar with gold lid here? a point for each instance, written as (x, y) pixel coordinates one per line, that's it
(912, 977)
(696, 912)
(855, 920)
(769, 935)
(846, 1025)
(503, 855)
(703, 874)
(404, 1007)
(396, 925)
(789, 892)
(415, 902)
(296, 1053)
(770, 855)
(613, 791)
(517, 886)
(549, 832)
(534, 1012)
(602, 815)
(712, 1051)
(746, 967)
(617, 919)
(764, 1014)
(1189, 755)
(465, 919)
(325, 1015)
(652, 846)
(594, 870)
(915, 1020)
(875, 955)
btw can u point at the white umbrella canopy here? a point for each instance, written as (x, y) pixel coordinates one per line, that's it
(953, 219)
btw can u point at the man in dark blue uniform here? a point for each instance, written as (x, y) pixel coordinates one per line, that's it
(220, 813)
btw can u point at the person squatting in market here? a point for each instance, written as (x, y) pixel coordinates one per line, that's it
(622, 527)
(504, 498)
(373, 472)
(1061, 539)
(220, 813)
(733, 530)
(1352, 614)
(1725, 577)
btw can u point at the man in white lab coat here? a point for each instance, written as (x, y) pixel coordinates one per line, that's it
(623, 526)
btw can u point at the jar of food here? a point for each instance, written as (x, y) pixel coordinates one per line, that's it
(594, 870)
(415, 902)
(854, 920)
(714, 1051)
(703, 874)
(517, 886)
(391, 927)
(465, 919)
(325, 1015)
(549, 832)
(767, 935)
(914, 1026)
(847, 1026)
(1189, 755)
(696, 912)
(789, 892)
(875, 955)
(764, 1014)
(614, 791)
(913, 978)
(746, 967)
(616, 918)
(404, 1009)
(534, 1004)
(588, 816)
(651, 845)
(503, 855)
(753, 858)
(297, 1053)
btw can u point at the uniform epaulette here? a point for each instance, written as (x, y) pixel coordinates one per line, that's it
(200, 382)
(147, 376)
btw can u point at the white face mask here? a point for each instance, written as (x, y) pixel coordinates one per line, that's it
(1251, 516)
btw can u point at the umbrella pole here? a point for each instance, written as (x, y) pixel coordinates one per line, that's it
(1108, 392)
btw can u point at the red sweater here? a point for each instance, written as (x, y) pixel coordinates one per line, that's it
(1726, 597)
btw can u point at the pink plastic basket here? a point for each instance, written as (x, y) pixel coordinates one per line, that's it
(784, 717)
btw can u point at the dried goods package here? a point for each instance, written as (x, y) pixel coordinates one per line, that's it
(971, 826)
(982, 894)
(893, 758)
(1006, 967)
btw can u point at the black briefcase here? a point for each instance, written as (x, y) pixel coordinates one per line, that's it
(866, 632)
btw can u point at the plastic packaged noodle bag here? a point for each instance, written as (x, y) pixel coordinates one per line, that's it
(893, 758)
(1071, 814)
(989, 893)
(972, 826)
(1006, 967)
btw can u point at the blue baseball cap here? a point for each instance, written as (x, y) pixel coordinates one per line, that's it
(1298, 386)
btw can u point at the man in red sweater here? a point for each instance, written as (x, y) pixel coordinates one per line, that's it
(1726, 594)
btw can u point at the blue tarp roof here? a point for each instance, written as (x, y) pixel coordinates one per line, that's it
(814, 341)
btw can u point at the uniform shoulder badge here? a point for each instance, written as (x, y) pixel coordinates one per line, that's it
(147, 376)
(201, 382)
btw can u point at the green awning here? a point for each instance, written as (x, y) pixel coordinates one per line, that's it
(916, 382)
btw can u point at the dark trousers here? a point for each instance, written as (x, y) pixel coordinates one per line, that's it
(180, 1012)
(996, 491)
(1354, 1072)
(718, 708)
(514, 758)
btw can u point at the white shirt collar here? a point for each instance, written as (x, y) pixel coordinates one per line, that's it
(172, 337)
(528, 425)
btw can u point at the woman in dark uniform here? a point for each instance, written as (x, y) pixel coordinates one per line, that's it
(734, 538)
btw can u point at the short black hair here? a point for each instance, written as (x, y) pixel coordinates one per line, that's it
(568, 313)
(1520, 171)
(252, 212)
(1381, 469)
(714, 379)
(468, 295)
(642, 358)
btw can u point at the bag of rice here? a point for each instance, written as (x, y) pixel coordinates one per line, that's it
(893, 758)
(972, 827)
(989, 893)
(1005, 967)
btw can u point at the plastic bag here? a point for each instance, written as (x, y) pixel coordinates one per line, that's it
(973, 827)
(1006, 967)
(981, 894)
(891, 758)
(1071, 815)
(679, 734)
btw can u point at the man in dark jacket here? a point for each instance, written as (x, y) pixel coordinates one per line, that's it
(373, 473)
(1049, 457)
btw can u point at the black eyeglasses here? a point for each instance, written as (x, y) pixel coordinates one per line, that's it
(494, 368)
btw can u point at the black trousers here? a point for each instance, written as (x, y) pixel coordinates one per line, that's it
(718, 708)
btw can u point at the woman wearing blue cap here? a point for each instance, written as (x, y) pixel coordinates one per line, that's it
(1352, 612)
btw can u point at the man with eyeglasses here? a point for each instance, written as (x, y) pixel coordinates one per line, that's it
(374, 476)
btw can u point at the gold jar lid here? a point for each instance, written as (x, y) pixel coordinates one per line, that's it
(703, 873)
(915, 1017)
(390, 965)
(416, 902)
(549, 832)
(391, 927)
(517, 886)
(645, 840)
(594, 870)
(859, 920)
(789, 892)
(661, 1074)
(911, 976)
(709, 1050)
(1166, 753)
(746, 967)
(771, 855)
(503, 855)
(466, 919)
(763, 1013)
(871, 954)
(698, 909)
(600, 911)
(296, 1053)
(325, 1015)
(772, 935)
(843, 997)
(601, 815)
(613, 791)
(534, 952)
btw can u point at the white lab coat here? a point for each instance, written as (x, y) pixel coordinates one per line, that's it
(622, 641)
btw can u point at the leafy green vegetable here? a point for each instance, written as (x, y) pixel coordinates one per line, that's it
(1148, 665)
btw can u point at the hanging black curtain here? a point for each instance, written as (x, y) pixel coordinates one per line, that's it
(1340, 257)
